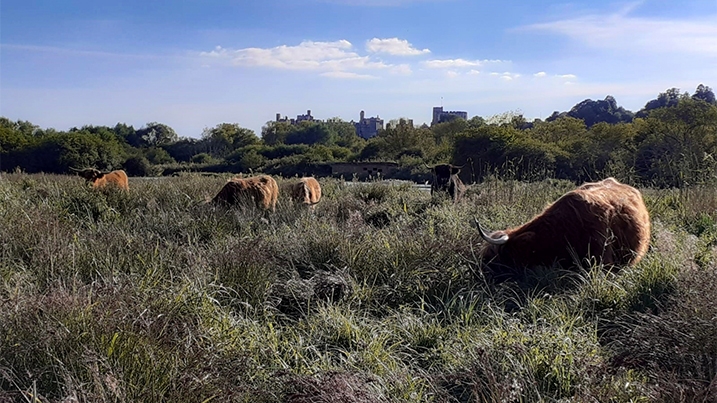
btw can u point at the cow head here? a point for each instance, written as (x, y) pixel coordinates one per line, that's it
(503, 251)
(91, 174)
(442, 175)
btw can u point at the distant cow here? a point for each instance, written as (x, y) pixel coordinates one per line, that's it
(102, 180)
(445, 179)
(606, 220)
(261, 191)
(306, 191)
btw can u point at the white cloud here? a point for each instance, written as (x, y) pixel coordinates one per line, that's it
(394, 46)
(458, 63)
(308, 55)
(568, 76)
(620, 31)
(507, 76)
(451, 63)
(540, 74)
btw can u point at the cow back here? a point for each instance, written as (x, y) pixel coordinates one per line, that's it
(605, 221)
(116, 179)
(261, 191)
(311, 190)
(305, 191)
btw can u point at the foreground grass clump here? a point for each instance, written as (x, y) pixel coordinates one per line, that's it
(377, 296)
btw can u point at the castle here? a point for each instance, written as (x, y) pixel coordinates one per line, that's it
(367, 128)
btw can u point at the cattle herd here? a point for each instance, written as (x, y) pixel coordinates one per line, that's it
(599, 222)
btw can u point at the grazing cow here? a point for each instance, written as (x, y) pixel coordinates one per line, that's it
(102, 180)
(445, 179)
(306, 191)
(261, 191)
(606, 220)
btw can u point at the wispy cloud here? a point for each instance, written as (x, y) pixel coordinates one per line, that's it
(621, 31)
(458, 63)
(394, 46)
(542, 74)
(507, 76)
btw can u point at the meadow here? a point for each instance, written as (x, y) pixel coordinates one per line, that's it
(377, 296)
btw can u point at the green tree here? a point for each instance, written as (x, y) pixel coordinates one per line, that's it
(11, 137)
(401, 139)
(274, 133)
(666, 99)
(344, 134)
(309, 133)
(592, 112)
(127, 133)
(157, 155)
(677, 145)
(704, 93)
(155, 134)
(226, 137)
(606, 150)
(562, 131)
(58, 152)
(184, 149)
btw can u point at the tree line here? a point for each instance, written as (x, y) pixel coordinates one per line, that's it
(671, 142)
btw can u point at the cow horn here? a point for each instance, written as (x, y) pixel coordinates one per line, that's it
(75, 169)
(493, 241)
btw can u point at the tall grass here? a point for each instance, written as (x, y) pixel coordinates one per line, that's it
(156, 295)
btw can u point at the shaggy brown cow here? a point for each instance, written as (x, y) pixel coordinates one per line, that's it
(102, 180)
(606, 220)
(261, 191)
(445, 179)
(306, 191)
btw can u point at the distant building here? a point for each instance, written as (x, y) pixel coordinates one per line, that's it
(439, 115)
(299, 118)
(396, 123)
(368, 127)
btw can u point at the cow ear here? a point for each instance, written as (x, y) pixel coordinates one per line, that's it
(454, 170)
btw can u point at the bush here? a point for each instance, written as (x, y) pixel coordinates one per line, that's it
(139, 166)
(202, 158)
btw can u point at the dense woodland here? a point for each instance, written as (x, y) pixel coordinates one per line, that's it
(671, 142)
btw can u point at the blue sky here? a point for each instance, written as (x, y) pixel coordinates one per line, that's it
(193, 64)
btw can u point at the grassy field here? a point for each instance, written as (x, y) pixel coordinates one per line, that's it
(376, 297)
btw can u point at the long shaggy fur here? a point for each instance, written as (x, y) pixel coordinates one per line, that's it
(306, 191)
(101, 180)
(261, 190)
(606, 220)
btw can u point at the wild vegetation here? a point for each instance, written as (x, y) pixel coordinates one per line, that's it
(671, 142)
(376, 296)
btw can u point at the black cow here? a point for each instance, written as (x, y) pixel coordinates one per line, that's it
(445, 179)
